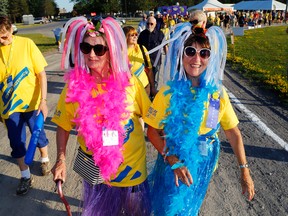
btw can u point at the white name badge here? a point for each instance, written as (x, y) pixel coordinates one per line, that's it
(110, 137)
(203, 148)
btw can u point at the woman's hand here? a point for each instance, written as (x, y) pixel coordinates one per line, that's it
(43, 108)
(59, 170)
(247, 183)
(181, 173)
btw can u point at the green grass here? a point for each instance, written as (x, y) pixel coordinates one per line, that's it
(45, 44)
(22, 26)
(261, 56)
(133, 22)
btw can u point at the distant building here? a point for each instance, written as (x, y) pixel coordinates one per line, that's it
(62, 11)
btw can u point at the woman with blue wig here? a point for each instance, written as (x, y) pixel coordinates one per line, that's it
(184, 119)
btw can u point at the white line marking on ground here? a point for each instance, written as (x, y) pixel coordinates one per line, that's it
(258, 121)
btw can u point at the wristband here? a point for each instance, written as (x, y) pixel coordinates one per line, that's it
(61, 160)
(177, 165)
(241, 166)
(44, 99)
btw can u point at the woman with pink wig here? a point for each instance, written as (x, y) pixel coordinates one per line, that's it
(104, 102)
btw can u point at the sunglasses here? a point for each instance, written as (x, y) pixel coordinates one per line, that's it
(150, 24)
(98, 49)
(191, 51)
(133, 35)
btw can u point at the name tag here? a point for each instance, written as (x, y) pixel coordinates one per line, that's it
(213, 112)
(203, 148)
(110, 137)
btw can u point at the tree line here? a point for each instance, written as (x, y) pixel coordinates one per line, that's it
(38, 8)
(46, 8)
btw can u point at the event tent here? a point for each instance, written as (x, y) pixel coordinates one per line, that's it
(260, 5)
(210, 5)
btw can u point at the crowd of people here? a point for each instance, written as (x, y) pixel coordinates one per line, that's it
(224, 20)
(108, 70)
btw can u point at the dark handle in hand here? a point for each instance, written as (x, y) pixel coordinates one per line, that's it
(60, 192)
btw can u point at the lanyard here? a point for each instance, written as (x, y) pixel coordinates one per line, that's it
(7, 63)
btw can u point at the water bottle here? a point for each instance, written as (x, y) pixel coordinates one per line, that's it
(34, 139)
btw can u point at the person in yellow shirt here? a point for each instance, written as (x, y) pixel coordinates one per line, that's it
(138, 60)
(104, 102)
(23, 92)
(184, 119)
(165, 30)
(171, 22)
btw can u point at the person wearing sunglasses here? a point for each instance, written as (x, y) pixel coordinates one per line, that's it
(103, 100)
(140, 61)
(151, 38)
(198, 19)
(184, 119)
(23, 93)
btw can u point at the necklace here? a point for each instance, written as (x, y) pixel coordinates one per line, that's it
(7, 62)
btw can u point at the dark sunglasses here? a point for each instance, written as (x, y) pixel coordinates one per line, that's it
(191, 51)
(98, 49)
(150, 24)
(133, 35)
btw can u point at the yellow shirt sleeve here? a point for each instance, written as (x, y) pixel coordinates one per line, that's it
(64, 113)
(157, 111)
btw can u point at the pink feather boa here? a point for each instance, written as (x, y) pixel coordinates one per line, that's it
(105, 110)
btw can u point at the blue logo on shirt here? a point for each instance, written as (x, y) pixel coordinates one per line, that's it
(129, 127)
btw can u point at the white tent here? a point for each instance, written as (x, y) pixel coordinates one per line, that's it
(260, 5)
(210, 5)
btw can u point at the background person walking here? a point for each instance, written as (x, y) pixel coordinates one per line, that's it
(23, 91)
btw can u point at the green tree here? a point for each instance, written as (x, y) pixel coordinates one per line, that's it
(111, 6)
(17, 8)
(4, 7)
(49, 7)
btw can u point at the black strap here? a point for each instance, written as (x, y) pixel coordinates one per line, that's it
(144, 56)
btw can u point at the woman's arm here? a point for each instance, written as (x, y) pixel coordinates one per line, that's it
(156, 137)
(43, 86)
(235, 139)
(59, 169)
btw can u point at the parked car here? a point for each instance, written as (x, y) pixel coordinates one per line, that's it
(41, 20)
(15, 29)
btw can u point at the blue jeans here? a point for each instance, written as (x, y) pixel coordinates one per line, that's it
(16, 127)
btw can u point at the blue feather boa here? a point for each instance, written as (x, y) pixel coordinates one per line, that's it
(181, 127)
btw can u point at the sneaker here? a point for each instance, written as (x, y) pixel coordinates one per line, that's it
(24, 185)
(45, 168)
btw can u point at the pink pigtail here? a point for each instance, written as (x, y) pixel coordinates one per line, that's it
(66, 49)
(78, 40)
(116, 41)
(70, 30)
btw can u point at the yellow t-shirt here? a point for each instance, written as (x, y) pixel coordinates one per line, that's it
(157, 112)
(19, 87)
(137, 63)
(133, 169)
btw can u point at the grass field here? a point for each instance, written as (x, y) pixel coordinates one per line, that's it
(261, 55)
